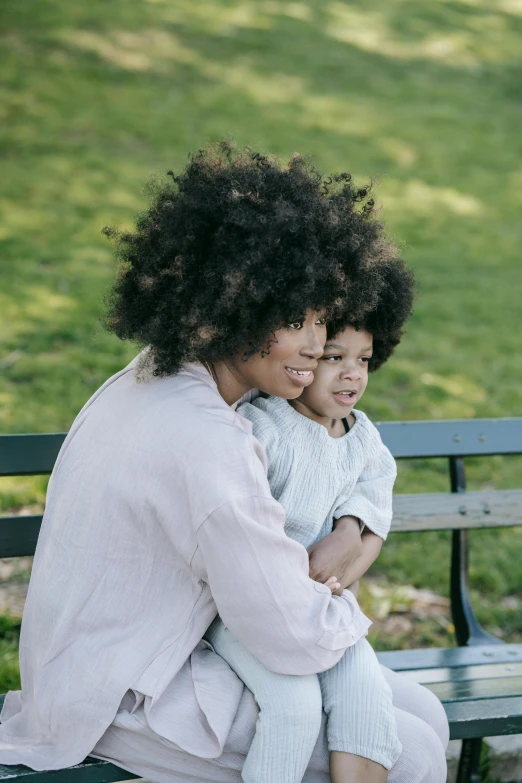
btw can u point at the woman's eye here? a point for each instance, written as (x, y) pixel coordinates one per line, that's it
(365, 359)
(296, 325)
(321, 321)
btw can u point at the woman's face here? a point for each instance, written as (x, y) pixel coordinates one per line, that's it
(288, 368)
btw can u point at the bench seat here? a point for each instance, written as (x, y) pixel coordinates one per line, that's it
(90, 771)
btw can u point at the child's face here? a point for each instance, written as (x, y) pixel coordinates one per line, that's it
(341, 376)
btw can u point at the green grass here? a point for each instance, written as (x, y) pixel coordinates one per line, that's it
(9, 634)
(424, 97)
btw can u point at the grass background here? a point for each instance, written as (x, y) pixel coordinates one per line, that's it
(424, 97)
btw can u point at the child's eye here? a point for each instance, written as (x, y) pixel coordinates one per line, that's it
(295, 325)
(333, 358)
(321, 321)
(365, 359)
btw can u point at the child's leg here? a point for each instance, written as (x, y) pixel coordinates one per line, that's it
(290, 712)
(347, 768)
(361, 720)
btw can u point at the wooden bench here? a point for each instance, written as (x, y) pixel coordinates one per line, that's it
(479, 681)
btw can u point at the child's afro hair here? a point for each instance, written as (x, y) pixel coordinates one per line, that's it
(384, 322)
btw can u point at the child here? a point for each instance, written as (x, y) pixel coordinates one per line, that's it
(326, 461)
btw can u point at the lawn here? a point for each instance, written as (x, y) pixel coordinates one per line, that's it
(425, 98)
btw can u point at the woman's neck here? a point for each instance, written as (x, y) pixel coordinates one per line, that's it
(230, 384)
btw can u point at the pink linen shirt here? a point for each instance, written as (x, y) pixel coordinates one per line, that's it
(159, 515)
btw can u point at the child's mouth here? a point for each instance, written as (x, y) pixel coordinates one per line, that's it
(345, 397)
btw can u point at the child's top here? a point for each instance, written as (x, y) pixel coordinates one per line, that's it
(317, 478)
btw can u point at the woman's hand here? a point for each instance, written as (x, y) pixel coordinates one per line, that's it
(334, 553)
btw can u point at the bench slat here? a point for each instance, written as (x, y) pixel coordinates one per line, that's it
(90, 771)
(18, 535)
(29, 455)
(476, 689)
(488, 671)
(459, 437)
(484, 717)
(409, 660)
(452, 511)
(22, 455)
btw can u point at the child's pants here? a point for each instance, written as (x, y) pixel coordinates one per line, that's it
(354, 695)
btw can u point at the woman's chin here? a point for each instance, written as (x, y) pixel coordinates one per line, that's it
(293, 394)
(286, 391)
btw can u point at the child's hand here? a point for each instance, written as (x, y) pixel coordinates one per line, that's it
(354, 588)
(333, 585)
(337, 551)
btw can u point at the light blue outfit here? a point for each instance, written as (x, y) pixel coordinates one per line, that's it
(317, 479)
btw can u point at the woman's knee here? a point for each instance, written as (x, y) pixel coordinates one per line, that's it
(419, 701)
(434, 714)
(423, 757)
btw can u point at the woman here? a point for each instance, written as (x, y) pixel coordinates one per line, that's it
(159, 513)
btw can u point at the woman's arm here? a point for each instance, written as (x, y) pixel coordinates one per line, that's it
(259, 581)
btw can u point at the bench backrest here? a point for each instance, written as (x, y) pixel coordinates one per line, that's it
(455, 440)
(23, 455)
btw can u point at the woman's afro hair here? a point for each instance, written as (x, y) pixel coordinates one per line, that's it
(237, 246)
(385, 321)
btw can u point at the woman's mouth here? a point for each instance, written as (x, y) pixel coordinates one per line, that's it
(300, 377)
(347, 397)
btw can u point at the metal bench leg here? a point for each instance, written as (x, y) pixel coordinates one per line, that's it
(469, 762)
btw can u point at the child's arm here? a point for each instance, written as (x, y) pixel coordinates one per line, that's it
(346, 552)
(335, 553)
(371, 546)
(371, 498)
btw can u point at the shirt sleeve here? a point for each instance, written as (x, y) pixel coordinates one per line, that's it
(259, 580)
(371, 498)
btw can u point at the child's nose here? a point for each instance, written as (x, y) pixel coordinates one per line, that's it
(351, 372)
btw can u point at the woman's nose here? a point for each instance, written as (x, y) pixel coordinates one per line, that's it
(315, 345)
